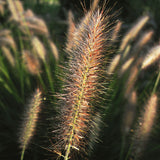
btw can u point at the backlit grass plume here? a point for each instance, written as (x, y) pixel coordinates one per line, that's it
(145, 126)
(83, 87)
(30, 120)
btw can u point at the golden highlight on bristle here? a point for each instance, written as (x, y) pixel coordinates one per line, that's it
(30, 120)
(151, 57)
(133, 32)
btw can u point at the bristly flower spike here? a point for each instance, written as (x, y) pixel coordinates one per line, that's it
(30, 120)
(79, 102)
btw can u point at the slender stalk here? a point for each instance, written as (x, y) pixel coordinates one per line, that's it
(22, 154)
(156, 83)
(47, 68)
(80, 97)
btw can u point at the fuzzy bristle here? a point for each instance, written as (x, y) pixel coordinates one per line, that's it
(84, 81)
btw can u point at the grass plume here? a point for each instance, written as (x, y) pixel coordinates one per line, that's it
(29, 122)
(132, 33)
(152, 57)
(39, 48)
(83, 85)
(31, 62)
(145, 126)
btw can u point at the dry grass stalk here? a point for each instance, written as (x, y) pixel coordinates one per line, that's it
(39, 48)
(30, 120)
(133, 32)
(114, 63)
(31, 62)
(8, 55)
(145, 126)
(151, 57)
(54, 50)
(82, 88)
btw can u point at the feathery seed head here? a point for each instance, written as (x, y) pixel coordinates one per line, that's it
(16, 9)
(114, 63)
(116, 30)
(83, 86)
(30, 119)
(129, 112)
(126, 65)
(152, 57)
(31, 62)
(39, 48)
(54, 50)
(145, 125)
(149, 116)
(8, 55)
(133, 32)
